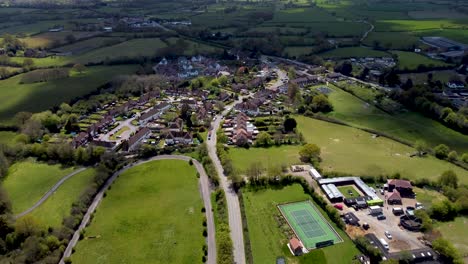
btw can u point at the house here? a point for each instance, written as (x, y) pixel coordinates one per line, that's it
(178, 137)
(247, 107)
(176, 125)
(223, 96)
(305, 81)
(394, 197)
(154, 113)
(134, 141)
(80, 140)
(296, 246)
(404, 187)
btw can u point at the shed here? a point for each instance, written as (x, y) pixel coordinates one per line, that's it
(296, 246)
(394, 198)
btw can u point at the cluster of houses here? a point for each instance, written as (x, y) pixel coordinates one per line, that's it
(457, 93)
(239, 130)
(184, 68)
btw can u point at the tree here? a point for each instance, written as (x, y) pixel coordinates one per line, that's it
(254, 171)
(33, 129)
(4, 164)
(320, 103)
(70, 38)
(421, 147)
(449, 179)
(28, 63)
(443, 210)
(441, 151)
(80, 68)
(263, 139)
(408, 84)
(310, 153)
(447, 251)
(464, 157)
(289, 124)
(453, 156)
(293, 92)
(345, 68)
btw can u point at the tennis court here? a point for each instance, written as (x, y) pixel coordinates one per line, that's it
(309, 225)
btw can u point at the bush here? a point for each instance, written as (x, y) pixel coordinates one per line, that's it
(447, 251)
(441, 151)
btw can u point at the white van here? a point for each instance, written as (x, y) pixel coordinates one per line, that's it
(384, 243)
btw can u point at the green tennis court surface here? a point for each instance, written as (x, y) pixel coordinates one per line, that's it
(309, 225)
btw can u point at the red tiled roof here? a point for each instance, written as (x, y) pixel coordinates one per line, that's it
(295, 243)
(394, 196)
(400, 183)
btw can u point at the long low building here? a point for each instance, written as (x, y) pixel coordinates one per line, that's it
(348, 181)
(333, 194)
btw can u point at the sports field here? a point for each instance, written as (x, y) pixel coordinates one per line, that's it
(309, 225)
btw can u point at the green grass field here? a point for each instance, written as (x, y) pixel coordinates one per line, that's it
(411, 61)
(453, 231)
(308, 224)
(87, 45)
(415, 25)
(268, 241)
(268, 157)
(350, 150)
(27, 181)
(427, 196)
(409, 126)
(58, 206)
(297, 51)
(152, 214)
(353, 52)
(42, 96)
(392, 40)
(345, 191)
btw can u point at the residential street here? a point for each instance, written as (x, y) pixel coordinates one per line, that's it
(204, 189)
(235, 219)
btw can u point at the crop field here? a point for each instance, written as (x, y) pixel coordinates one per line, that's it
(242, 158)
(41, 96)
(195, 48)
(88, 45)
(152, 214)
(409, 126)
(58, 206)
(350, 150)
(268, 238)
(45, 40)
(452, 230)
(27, 181)
(417, 25)
(411, 61)
(353, 52)
(302, 15)
(329, 28)
(297, 51)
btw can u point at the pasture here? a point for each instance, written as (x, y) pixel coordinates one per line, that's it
(411, 61)
(56, 207)
(268, 237)
(88, 45)
(353, 52)
(453, 231)
(27, 181)
(152, 214)
(392, 40)
(36, 97)
(350, 150)
(409, 126)
(47, 39)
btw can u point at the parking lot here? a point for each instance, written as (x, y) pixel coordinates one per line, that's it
(402, 239)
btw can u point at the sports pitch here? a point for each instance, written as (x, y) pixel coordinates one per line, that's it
(309, 225)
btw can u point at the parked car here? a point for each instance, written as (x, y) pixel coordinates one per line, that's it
(381, 217)
(388, 235)
(382, 191)
(338, 206)
(365, 226)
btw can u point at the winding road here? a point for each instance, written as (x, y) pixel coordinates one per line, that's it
(204, 189)
(49, 193)
(234, 212)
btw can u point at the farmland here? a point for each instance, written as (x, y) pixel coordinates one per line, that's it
(408, 126)
(41, 96)
(58, 206)
(350, 150)
(453, 231)
(126, 231)
(27, 181)
(267, 237)
(411, 61)
(353, 52)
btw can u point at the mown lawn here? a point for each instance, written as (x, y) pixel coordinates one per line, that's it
(345, 189)
(152, 214)
(34, 97)
(409, 126)
(27, 181)
(58, 205)
(268, 240)
(353, 151)
(268, 157)
(455, 232)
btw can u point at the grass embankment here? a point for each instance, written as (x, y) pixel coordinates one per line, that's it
(268, 241)
(56, 207)
(408, 126)
(27, 181)
(350, 150)
(152, 214)
(41, 96)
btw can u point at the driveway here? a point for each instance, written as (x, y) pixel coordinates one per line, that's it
(125, 134)
(204, 190)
